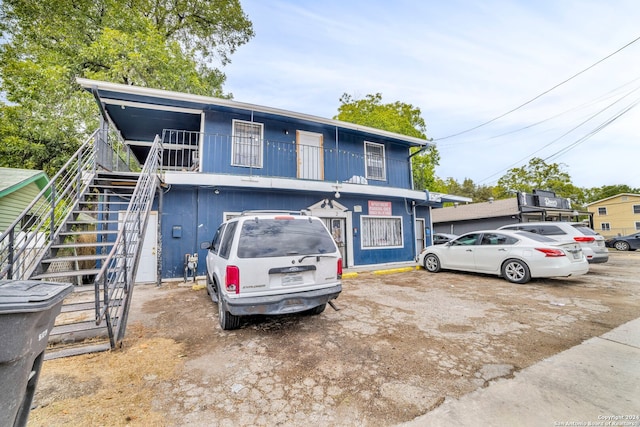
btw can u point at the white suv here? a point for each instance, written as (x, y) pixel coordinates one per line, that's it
(272, 263)
(591, 242)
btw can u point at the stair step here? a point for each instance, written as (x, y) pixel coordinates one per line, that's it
(76, 350)
(87, 325)
(78, 306)
(75, 258)
(126, 187)
(82, 245)
(86, 232)
(95, 221)
(58, 274)
(102, 202)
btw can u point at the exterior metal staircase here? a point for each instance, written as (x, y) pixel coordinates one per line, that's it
(86, 227)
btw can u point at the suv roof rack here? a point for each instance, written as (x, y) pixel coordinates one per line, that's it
(303, 212)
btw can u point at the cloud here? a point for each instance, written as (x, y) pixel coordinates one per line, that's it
(462, 63)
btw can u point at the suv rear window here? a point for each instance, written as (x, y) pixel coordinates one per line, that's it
(265, 238)
(551, 230)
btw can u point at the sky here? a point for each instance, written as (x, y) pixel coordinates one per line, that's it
(535, 70)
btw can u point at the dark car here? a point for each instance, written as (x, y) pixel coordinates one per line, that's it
(440, 238)
(624, 243)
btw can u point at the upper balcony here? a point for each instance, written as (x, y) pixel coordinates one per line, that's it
(373, 164)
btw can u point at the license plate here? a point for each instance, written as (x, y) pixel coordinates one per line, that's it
(292, 279)
(576, 255)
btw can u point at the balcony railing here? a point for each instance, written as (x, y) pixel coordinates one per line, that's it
(224, 154)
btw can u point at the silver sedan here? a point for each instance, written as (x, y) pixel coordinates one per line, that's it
(516, 256)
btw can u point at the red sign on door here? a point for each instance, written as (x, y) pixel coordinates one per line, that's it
(378, 208)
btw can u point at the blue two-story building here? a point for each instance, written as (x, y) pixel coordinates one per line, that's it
(221, 157)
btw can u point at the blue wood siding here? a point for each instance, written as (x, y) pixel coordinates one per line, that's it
(199, 212)
(343, 160)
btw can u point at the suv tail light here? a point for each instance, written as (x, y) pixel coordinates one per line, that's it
(339, 269)
(232, 282)
(585, 239)
(553, 253)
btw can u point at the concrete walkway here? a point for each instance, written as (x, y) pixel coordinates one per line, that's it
(596, 383)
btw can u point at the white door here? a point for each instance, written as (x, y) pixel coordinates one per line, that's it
(310, 155)
(148, 264)
(420, 235)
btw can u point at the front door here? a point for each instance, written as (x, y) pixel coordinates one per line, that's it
(337, 227)
(310, 155)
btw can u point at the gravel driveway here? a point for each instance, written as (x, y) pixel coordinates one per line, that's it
(399, 345)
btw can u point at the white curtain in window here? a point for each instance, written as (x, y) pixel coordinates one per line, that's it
(381, 232)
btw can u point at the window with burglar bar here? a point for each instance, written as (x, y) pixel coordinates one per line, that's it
(247, 144)
(381, 232)
(375, 161)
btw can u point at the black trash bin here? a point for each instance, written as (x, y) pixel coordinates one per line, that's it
(28, 309)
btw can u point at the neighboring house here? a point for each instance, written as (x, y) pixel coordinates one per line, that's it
(525, 207)
(18, 188)
(222, 157)
(617, 215)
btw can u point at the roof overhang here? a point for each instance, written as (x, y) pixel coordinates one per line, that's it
(434, 197)
(138, 112)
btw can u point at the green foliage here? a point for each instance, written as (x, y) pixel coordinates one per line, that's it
(539, 175)
(166, 44)
(599, 193)
(397, 117)
(479, 193)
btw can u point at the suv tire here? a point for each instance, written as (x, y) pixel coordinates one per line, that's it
(227, 320)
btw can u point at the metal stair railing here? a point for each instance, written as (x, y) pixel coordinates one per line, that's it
(30, 237)
(116, 277)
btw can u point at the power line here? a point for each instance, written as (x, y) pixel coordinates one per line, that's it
(595, 131)
(538, 96)
(600, 127)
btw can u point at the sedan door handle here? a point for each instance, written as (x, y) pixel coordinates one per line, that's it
(502, 250)
(469, 250)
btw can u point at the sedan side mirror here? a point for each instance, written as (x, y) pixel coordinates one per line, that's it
(205, 245)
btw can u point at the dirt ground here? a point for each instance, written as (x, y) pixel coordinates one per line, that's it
(398, 347)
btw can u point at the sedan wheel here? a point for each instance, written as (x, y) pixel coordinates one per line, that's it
(516, 271)
(621, 246)
(432, 263)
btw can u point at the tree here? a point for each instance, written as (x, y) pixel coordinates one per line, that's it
(539, 175)
(479, 193)
(397, 117)
(599, 193)
(166, 44)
